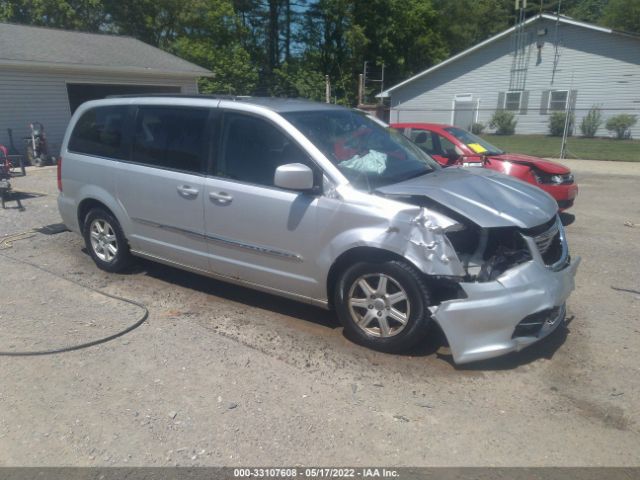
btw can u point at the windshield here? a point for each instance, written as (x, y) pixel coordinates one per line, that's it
(474, 142)
(366, 152)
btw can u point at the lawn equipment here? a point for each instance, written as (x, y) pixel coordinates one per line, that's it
(16, 160)
(37, 149)
(5, 174)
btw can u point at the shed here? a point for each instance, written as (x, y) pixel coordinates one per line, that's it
(45, 74)
(547, 63)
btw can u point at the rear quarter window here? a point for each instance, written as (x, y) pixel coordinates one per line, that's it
(99, 132)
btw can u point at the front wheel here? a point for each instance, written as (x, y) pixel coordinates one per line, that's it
(383, 305)
(105, 241)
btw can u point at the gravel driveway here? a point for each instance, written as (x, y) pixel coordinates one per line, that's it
(222, 375)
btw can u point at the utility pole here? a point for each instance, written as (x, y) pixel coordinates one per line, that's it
(382, 82)
(327, 89)
(360, 89)
(364, 81)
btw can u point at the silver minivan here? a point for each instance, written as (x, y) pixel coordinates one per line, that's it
(324, 205)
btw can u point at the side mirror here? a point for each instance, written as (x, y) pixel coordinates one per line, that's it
(294, 176)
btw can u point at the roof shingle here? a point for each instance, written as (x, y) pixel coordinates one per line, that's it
(49, 46)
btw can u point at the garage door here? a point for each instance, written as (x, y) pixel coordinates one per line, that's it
(81, 92)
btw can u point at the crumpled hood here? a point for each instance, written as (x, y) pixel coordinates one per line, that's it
(548, 166)
(485, 197)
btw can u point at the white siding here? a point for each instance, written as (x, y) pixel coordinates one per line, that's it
(603, 68)
(27, 96)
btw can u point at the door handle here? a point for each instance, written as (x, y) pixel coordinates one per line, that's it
(220, 197)
(188, 191)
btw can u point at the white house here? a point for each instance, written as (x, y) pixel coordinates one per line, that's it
(46, 73)
(546, 64)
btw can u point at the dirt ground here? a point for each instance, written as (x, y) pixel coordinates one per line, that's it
(222, 375)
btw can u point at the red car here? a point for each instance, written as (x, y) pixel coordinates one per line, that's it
(450, 145)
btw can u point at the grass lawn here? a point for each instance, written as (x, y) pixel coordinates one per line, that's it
(577, 147)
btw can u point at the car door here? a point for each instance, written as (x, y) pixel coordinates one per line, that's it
(259, 233)
(161, 187)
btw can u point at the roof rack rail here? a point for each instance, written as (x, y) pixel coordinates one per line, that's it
(182, 95)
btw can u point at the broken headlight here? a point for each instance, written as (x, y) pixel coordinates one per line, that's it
(486, 253)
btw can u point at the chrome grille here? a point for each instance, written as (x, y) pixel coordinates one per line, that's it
(544, 240)
(551, 244)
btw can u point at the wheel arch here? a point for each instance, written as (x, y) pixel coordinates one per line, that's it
(354, 255)
(86, 206)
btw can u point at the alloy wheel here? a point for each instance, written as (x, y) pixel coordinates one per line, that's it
(103, 240)
(379, 305)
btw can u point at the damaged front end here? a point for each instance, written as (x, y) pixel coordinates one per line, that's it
(487, 253)
(516, 285)
(498, 288)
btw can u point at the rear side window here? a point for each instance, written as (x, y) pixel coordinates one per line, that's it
(99, 132)
(171, 137)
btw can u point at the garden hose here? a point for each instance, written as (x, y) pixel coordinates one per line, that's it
(6, 243)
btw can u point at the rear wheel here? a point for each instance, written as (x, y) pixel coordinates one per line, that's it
(383, 305)
(105, 241)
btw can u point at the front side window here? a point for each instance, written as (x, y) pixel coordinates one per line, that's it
(558, 100)
(512, 101)
(171, 137)
(368, 154)
(254, 148)
(99, 132)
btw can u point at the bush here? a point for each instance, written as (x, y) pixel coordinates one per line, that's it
(477, 128)
(504, 122)
(620, 124)
(591, 122)
(556, 124)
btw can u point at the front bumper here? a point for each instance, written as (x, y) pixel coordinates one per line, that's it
(482, 325)
(565, 195)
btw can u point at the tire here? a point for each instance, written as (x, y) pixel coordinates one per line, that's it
(38, 162)
(383, 306)
(105, 241)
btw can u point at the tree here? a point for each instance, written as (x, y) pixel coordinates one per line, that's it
(209, 33)
(586, 10)
(465, 23)
(623, 15)
(86, 15)
(404, 35)
(331, 41)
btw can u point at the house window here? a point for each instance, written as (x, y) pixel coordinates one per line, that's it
(558, 100)
(512, 101)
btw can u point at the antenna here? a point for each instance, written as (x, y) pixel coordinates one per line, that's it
(556, 43)
(375, 80)
(520, 62)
